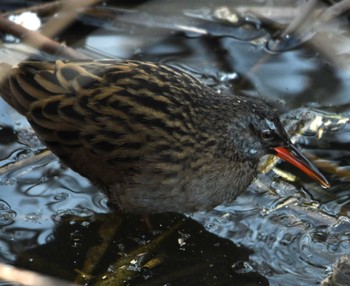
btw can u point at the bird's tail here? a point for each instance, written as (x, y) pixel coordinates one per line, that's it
(27, 82)
(5, 88)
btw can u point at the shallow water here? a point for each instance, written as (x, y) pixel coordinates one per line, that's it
(277, 233)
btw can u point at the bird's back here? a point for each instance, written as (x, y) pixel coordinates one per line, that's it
(105, 107)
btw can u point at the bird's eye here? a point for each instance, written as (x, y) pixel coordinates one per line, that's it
(267, 135)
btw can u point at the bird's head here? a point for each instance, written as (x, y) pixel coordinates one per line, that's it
(259, 132)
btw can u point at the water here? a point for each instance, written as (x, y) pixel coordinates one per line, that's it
(276, 233)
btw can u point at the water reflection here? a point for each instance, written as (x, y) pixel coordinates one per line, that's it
(33, 201)
(288, 242)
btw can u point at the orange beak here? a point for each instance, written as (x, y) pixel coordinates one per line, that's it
(293, 156)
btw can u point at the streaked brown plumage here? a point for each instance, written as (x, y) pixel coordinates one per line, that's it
(152, 137)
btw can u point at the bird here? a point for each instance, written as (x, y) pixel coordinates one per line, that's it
(150, 136)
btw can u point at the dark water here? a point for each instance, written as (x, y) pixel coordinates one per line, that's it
(277, 233)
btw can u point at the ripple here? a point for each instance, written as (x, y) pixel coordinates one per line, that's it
(61, 196)
(60, 214)
(7, 215)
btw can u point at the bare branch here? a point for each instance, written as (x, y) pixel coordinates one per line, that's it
(29, 278)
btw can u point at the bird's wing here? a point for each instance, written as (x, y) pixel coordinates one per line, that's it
(108, 109)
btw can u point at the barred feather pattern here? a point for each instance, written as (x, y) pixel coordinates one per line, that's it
(152, 137)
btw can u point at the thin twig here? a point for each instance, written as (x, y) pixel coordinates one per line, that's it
(336, 10)
(66, 16)
(40, 9)
(46, 154)
(43, 41)
(95, 254)
(29, 278)
(37, 40)
(301, 18)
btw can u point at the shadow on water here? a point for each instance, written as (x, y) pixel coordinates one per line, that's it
(187, 255)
